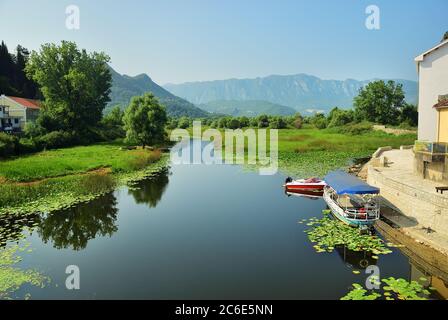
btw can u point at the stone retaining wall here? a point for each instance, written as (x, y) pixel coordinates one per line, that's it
(428, 210)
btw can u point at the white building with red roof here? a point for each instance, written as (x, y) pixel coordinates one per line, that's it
(15, 112)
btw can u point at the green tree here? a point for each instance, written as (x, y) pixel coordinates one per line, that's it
(318, 120)
(114, 117)
(222, 123)
(244, 121)
(380, 102)
(75, 84)
(409, 115)
(183, 123)
(233, 123)
(6, 71)
(338, 117)
(144, 120)
(263, 121)
(13, 80)
(277, 123)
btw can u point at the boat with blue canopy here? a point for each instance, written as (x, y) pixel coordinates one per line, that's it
(351, 200)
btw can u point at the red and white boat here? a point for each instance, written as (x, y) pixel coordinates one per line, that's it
(311, 184)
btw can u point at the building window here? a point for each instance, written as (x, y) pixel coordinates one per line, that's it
(16, 121)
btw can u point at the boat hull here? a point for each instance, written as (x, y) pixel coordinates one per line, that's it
(304, 185)
(305, 193)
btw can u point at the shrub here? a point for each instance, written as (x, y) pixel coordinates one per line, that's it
(320, 123)
(277, 123)
(57, 139)
(244, 122)
(28, 145)
(253, 122)
(233, 123)
(183, 123)
(298, 122)
(172, 124)
(355, 128)
(8, 145)
(263, 121)
(340, 118)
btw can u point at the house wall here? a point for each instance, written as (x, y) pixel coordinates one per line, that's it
(443, 125)
(433, 75)
(15, 110)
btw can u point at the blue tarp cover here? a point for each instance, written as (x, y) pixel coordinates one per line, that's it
(344, 183)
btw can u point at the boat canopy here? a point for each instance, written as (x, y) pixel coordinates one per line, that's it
(344, 183)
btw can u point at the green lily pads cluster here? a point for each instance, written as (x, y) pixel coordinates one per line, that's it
(328, 233)
(393, 289)
(12, 227)
(359, 293)
(12, 277)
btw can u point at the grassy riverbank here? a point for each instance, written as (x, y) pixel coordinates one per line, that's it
(76, 160)
(57, 179)
(310, 151)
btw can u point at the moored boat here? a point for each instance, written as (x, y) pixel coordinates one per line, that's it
(311, 184)
(351, 200)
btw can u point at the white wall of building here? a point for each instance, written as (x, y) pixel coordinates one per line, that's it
(433, 81)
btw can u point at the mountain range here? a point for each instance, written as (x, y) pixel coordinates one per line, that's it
(125, 87)
(300, 91)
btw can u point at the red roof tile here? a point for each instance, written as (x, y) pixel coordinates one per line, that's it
(27, 103)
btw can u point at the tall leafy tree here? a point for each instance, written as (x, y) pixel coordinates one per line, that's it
(380, 102)
(6, 71)
(144, 120)
(75, 84)
(13, 80)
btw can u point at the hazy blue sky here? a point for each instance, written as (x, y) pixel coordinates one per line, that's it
(188, 40)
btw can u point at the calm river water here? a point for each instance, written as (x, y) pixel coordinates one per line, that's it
(196, 232)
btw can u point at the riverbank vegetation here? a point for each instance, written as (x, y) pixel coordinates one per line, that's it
(113, 158)
(56, 179)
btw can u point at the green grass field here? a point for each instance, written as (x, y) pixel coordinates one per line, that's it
(313, 152)
(61, 162)
(306, 140)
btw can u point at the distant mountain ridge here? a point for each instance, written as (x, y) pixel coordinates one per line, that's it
(125, 87)
(248, 108)
(300, 91)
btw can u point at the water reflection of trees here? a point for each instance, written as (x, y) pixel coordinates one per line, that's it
(74, 227)
(150, 191)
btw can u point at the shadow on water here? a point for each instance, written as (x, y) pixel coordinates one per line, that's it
(358, 260)
(75, 227)
(150, 191)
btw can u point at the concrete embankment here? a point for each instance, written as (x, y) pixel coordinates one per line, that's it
(413, 213)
